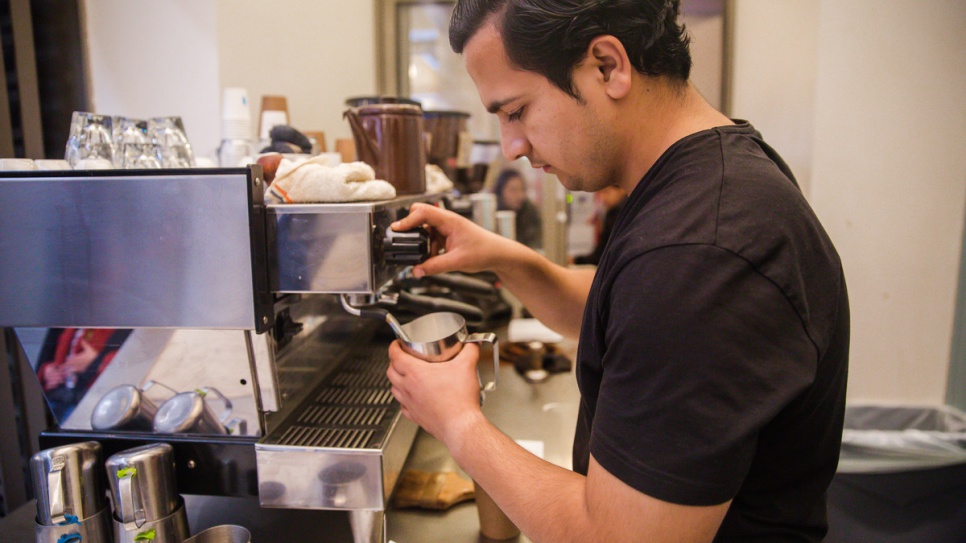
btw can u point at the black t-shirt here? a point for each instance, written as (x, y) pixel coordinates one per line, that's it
(714, 348)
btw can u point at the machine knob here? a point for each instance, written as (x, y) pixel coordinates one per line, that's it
(409, 248)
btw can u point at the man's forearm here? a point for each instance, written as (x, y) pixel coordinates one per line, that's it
(547, 502)
(553, 294)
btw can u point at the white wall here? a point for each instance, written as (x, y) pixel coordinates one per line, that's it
(868, 96)
(150, 59)
(315, 53)
(774, 74)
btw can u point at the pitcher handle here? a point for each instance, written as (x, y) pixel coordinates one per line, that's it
(487, 337)
(55, 490)
(129, 488)
(359, 132)
(226, 412)
(152, 382)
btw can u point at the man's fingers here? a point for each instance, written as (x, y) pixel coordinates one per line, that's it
(438, 264)
(419, 214)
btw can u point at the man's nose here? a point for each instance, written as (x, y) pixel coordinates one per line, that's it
(515, 145)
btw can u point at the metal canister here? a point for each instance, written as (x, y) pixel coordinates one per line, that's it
(69, 482)
(189, 413)
(506, 224)
(143, 485)
(484, 210)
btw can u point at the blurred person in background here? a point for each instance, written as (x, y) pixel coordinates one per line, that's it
(511, 195)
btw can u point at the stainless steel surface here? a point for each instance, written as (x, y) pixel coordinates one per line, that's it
(226, 533)
(344, 448)
(142, 483)
(335, 248)
(182, 359)
(68, 482)
(368, 526)
(95, 529)
(189, 413)
(131, 250)
(172, 528)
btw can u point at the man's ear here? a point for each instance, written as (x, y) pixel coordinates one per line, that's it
(608, 56)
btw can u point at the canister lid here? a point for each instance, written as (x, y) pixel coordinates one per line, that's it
(391, 109)
(432, 113)
(359, 101)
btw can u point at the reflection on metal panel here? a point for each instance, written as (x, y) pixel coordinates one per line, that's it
(126, 251)
(335, 248)
(324, 252)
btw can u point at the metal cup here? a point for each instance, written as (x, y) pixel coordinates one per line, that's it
(68, 482)
(484, 209)
(506, 224)
(143, 486)
(438, 337)
(126, 407)
(189, 413)
(95, 529)
(226, 533)
(172, 528)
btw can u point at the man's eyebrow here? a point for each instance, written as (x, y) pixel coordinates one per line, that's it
(494, 107)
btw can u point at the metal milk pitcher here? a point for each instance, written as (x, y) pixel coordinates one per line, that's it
(143, 485)
(126, 407)
(436, 337)
(189, 413)
(69, 483)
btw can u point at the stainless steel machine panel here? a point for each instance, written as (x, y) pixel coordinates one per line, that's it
(335, 248)
(130, 249)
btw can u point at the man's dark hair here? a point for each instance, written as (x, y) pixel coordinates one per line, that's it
(550, 37)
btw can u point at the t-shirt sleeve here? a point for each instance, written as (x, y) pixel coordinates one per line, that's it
(701, 352)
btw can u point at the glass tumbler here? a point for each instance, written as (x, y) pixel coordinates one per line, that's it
(127, 131)
(140, 156)
(168, 134)
(91, 142)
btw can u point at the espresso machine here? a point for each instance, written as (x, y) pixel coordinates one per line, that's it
(235, 349)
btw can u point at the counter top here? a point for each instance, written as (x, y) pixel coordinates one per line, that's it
(544, 414)
(540, 415)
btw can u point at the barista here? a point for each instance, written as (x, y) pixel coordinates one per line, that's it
(714, 333)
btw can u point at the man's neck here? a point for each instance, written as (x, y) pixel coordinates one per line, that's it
(662, 114)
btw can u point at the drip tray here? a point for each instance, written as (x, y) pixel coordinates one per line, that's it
(341, 449)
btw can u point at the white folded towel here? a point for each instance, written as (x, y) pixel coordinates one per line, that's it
(436, 180)
(314, 181)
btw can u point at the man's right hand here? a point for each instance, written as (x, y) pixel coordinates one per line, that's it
(468, 247)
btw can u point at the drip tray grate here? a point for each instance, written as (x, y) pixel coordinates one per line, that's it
(353, 408)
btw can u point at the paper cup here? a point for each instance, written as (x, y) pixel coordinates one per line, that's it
(494, 524)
